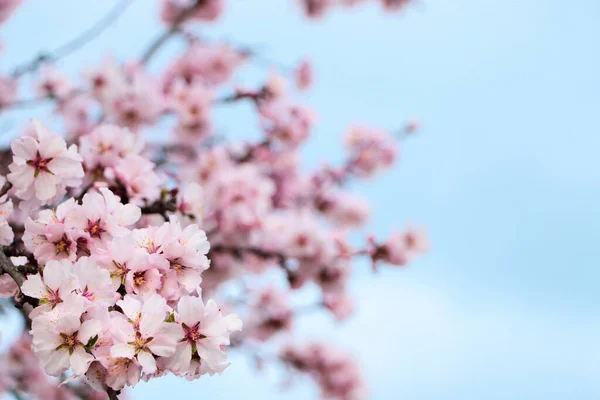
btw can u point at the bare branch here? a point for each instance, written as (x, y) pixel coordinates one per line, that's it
(112, 394)
(174, 28)
(7, 186)
(76, 43)
(9, 268)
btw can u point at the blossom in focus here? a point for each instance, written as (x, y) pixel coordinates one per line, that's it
(61, 340)
(141, 332)
(43, 167)
(205, 337)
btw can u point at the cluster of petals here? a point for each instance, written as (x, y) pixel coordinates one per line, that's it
(371, 150)
(208, 10)
(316, 9)
(338, 374)
(43, 166)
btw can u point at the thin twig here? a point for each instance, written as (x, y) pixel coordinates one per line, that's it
(166, 35)
(76, 43)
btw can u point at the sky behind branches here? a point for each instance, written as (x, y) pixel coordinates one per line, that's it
(505, 175)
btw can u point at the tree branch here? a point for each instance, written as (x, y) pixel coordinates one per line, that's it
(166, 35)
(7, 186)
(112, 394)
(76, 43)
(6, 266)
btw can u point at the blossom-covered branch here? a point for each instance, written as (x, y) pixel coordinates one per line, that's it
(130, 261)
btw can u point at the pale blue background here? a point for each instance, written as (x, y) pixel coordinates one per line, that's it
(505, 174)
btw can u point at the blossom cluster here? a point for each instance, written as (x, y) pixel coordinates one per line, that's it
(318, 8)
(336, 372)
(105, 234)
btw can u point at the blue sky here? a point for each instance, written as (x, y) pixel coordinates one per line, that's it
(505, 175)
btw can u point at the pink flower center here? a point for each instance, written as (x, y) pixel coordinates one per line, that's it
(94, 229)
(40, 164)
(193, 334)
(63, 245)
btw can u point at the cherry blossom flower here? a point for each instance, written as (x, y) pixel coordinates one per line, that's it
(52, 287)
(208, 10)
(141, 332)
(93, 283)
(107, 144)
(61, 340)
(51, 236)
(52, 83)
(122, 251)
(102, 216)
(205, 335)
(43, 167)
(137, 175)
(371, 150)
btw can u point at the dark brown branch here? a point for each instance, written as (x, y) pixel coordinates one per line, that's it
(76, 43)
(6, 266)
(7, 186)
(161, 207)
(239, 251)
(112, 394)
(166, 35)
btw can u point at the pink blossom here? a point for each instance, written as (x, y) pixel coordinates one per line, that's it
(340, 304)
(395, 5)
(129, 96)
(137, 174)
(212, 64)
(52, 236)
(401, 247)
(336, 372)
(60, 339)
(208, 10)
(192, 104)
(8, 287)
(51, 286)
(102, 216)
(288, 124)
(43, 167)
(93, 283)
(344, 209)
(205, 336)
(315, 8)
(142, 278)
(141, 332)
(8, 87)
(371, 150)
(119, 254)
(52, 83)
(304, 75)
(106, 145)
(190, 201)
(270, 314)
(76, 110)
